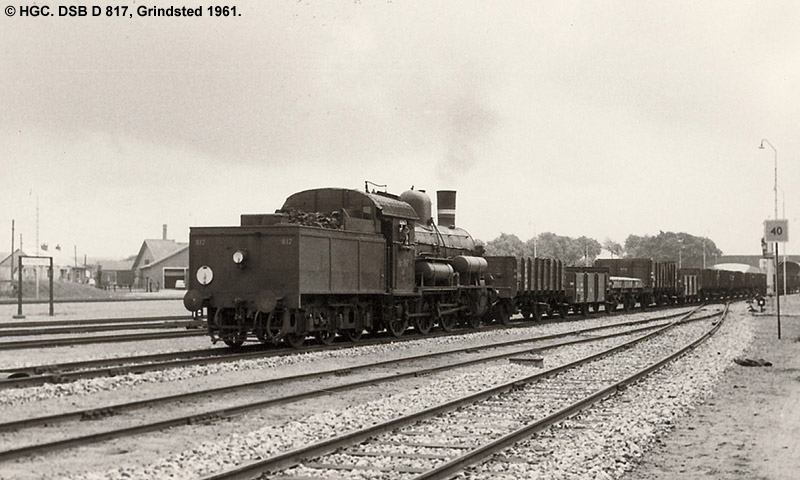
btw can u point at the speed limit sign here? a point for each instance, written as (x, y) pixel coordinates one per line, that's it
(776, 231)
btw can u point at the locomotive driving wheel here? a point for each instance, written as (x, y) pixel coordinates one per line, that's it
(472, 321)
(448, 322)
(424, 323)
(502, 313)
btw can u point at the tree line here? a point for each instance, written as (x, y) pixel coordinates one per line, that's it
(582, 251)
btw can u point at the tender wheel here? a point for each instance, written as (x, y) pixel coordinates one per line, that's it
(353, 334)
(399, 321)
(295, 340)
(235, 341)
(611, 307)
(325, 337)
(268, 326)
(584, 309)
(595, 307)
(473, 321)
(562, 311)
(526, 313)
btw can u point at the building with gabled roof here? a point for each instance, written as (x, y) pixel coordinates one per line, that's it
(161, 263)
(115, 273)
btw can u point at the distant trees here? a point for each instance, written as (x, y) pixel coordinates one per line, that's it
(681, 246)
(506, 245)
(584, 250)
(614, 248)
(572, 251)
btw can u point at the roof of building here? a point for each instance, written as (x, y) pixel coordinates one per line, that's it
(116, 265)
(60, 259)
(160, 249)
(164, 259)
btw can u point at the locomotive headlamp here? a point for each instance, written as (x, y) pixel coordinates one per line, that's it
(204, 275)
(238, 257)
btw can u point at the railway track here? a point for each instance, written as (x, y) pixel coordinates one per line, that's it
(91, 321)
(67, 372)
(70, 371)
(59, 328)
(87, 340)
(441, 441)
(491, 354)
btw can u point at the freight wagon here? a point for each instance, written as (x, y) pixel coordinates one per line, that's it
(659, 281)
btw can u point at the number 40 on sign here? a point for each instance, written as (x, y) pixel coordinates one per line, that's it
(776, 231)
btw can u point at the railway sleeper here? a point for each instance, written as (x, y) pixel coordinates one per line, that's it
(98, 414)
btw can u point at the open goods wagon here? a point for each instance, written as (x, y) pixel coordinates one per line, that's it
(535, 286)
(587, 288)
(659, 281)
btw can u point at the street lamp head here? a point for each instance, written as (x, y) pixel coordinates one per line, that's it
(762, 145)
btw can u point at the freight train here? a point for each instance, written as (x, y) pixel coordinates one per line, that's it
(338, 262)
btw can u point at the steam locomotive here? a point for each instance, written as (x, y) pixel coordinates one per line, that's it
(335, 261)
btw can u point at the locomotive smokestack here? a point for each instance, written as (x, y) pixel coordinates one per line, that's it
(446, 207)
(164, 232)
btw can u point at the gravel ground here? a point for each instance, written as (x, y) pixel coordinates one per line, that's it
(749, 426)
(249, 435)
(322, 360)
(609, 439)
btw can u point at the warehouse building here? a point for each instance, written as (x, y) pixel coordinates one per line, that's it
(161, 264)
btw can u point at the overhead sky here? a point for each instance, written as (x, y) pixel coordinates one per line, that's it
(601, 119)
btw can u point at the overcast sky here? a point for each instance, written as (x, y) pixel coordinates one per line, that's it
(594, 118)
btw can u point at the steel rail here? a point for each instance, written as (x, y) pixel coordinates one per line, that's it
(227, 412)
(294, 457)
(60, 342)
(169, 360)
(91, 321)
(474, 456)
(32, 332)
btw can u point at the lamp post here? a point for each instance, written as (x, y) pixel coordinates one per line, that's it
(775, 188)
(783, 213)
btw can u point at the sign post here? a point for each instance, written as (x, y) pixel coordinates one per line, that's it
(777, 231)
(38, 262)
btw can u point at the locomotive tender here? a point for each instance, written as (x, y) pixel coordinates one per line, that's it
(336, 261)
